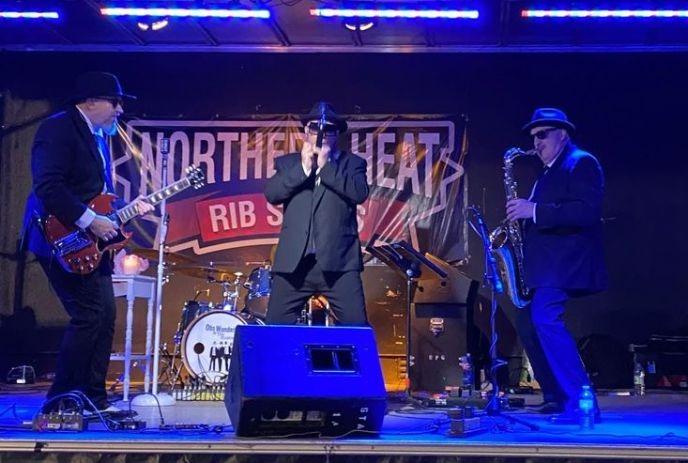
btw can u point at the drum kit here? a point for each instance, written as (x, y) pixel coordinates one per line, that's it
(205, 331)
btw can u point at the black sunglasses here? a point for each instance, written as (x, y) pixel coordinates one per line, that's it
(114, 101)
(542, 134)
(328, 129)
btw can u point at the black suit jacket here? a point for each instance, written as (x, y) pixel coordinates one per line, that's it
(332, 205)
(67, 173)
(563, 249)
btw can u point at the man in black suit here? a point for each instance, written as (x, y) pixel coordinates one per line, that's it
(70, 163)
(563, 254)
(319, 251)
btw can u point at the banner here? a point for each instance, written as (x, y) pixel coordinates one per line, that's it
(415, 173)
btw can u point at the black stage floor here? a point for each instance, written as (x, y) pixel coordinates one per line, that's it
(651, 427)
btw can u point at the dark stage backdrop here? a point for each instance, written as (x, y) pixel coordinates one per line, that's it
(629, 108)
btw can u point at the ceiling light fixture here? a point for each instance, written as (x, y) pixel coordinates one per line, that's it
(359, 26)
(604, 13)
(394, 13)
(153, 26)
(187, 12)
(29, 15)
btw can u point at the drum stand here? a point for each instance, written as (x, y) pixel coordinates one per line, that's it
(172, 370)
(230, 295)
(156, 398)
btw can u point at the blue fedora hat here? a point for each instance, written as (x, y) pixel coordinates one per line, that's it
(551, 117)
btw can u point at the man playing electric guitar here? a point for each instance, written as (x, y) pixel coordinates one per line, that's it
(70, 164)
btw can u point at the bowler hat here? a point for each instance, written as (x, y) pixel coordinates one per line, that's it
(323, 108)
(552, 117)
(98, 84)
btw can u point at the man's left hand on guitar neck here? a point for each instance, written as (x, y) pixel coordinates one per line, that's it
(142, 206)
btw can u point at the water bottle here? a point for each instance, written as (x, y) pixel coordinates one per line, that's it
(639, 379)
(586, 407)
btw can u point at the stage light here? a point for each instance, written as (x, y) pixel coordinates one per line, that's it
(153, 26)
(359, 26)
(187, 12)
(29, 15)
(394, 13)
(604, 13)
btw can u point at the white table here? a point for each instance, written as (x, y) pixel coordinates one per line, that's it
(131, 287)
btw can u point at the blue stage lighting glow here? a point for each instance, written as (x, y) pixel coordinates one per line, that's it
(604, 13)
(187, 12)
(29, 14)
(396, 13)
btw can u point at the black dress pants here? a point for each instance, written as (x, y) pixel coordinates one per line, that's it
(291, 291)
(84, 356)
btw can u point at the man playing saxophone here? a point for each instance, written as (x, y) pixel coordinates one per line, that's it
(563, 256)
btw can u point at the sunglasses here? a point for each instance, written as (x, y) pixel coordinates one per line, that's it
(114, 101)
(542, 134)
(328, 129)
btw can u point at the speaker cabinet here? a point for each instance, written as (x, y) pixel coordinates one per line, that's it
(300, 380)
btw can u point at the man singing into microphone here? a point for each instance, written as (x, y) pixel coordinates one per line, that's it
(318, 251)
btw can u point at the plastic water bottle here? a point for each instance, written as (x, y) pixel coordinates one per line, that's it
(639, 379)
(586, 406)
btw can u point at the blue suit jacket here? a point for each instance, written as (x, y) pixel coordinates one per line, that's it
(333, 207)
(564, 248)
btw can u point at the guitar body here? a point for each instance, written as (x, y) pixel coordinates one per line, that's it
(80, 251)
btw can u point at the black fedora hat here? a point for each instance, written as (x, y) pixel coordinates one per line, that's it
(98, 84)
(320, 108)
(551, 117)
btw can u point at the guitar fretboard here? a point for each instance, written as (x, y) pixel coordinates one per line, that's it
(129, 212)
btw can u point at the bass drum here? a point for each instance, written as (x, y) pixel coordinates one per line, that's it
(207, 344)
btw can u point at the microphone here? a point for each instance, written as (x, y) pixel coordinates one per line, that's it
(321, 126)
(165, 146)
(491, 271)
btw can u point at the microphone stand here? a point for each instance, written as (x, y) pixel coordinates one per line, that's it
(155, 398)
(492, 278)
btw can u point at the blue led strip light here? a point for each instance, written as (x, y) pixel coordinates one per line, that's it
(389, 13)
(187, 12)
(29, 15)
(604, 13)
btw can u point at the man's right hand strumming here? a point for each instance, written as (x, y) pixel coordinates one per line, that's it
(103, 228)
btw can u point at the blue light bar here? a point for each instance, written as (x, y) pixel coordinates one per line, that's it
(604, 13)
(396, 13)
(187, 12)
(29, 15)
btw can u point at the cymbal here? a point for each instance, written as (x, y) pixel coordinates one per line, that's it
(206, 271)
(172, 258)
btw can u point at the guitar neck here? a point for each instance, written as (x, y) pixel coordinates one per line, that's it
(129, 212)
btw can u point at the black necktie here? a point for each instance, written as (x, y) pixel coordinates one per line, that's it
(105, 153)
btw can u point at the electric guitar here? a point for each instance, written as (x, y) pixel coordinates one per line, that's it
(80, 251)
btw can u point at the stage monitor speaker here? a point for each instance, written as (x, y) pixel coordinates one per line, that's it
(300, 380)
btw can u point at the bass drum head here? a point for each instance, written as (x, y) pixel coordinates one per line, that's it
(207, 344)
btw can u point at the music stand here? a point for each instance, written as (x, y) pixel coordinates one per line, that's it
(411, 264)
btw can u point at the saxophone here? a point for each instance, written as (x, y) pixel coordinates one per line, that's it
(506, 240)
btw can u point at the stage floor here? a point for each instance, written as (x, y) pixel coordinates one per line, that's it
(650, 427)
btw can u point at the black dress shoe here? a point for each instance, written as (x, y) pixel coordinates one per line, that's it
(572, 417)
(548, 408)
